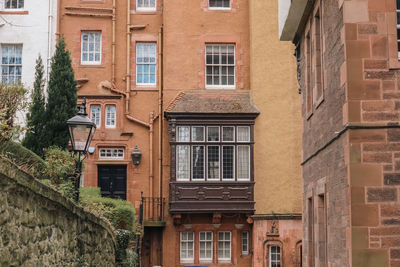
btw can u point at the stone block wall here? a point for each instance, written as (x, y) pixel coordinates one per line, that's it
(375, 190)
(40, 227)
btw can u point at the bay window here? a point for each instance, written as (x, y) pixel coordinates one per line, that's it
(213, 153)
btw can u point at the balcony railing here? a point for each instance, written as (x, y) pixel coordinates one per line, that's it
(152, 210)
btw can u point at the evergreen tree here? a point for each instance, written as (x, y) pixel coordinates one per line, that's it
(62, 98)
(35, 116)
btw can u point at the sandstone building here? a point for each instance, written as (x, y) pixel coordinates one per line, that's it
(172, 81)
(348, 61)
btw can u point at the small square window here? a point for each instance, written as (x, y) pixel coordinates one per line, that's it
(197, 134)
(243, 134)
(183, 134)
(213, 134)
(228, 134)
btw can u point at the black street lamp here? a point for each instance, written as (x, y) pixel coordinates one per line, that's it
(81, 131)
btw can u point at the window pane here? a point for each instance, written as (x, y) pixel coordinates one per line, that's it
(228, 134)
(198, 162)
(220, 62)
(228, 162)
(243, 158)
(146, 63)
(182, 162)
(95, 112)
(91, 47)
(213, 133)
(197, 133)
(183, 134)
(213, 162)
(243, 134)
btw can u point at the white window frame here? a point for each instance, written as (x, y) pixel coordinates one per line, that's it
(98, 125)
(245, 243)
(227, 86)
(237, 130)
(270, 256)
(204, 134)
(222, 134)
(143, 84)
(237, 161)
(182, 259)
(115, 116)
(146, 9)
(8, 65)
(224, 259)
(11, 8)
(111, 151)
(177, 163)
(206, 260)
(94, 52)
(219, 134)
(220, 8)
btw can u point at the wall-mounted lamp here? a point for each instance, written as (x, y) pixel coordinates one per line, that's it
(136, 156)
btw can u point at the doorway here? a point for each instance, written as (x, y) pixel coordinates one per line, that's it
(112, 181)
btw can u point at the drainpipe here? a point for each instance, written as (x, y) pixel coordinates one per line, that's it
(113, 43)
(128, 56)
(151, 173)
(49, 37)
(59, 3)
(160, 110)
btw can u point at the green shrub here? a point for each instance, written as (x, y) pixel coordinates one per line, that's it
(24, 158)
(59, 165)
(67, 188)
(120, 213)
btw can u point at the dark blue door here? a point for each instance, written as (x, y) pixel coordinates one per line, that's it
(112, 181)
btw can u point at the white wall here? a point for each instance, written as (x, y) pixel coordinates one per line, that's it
(33, 32)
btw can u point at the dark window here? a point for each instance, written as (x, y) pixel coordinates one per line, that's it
(220, 3)
(14, 4)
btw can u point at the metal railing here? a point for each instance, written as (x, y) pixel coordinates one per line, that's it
(152, 209)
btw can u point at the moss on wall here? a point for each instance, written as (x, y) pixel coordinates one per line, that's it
(40, 227)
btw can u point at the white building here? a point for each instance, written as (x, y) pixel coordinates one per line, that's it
(27, 29)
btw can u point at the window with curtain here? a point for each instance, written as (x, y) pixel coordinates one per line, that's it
(146, 64)
(11, 63)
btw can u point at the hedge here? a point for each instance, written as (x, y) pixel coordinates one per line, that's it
(119, 212)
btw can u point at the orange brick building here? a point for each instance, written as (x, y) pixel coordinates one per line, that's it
(171, 80)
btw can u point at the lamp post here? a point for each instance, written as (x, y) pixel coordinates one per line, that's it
(81, 131)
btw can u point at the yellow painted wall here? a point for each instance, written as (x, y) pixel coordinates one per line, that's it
(278, 128)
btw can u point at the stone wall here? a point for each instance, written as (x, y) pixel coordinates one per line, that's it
(40, 227)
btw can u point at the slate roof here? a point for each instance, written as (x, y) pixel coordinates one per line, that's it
(213, 101)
